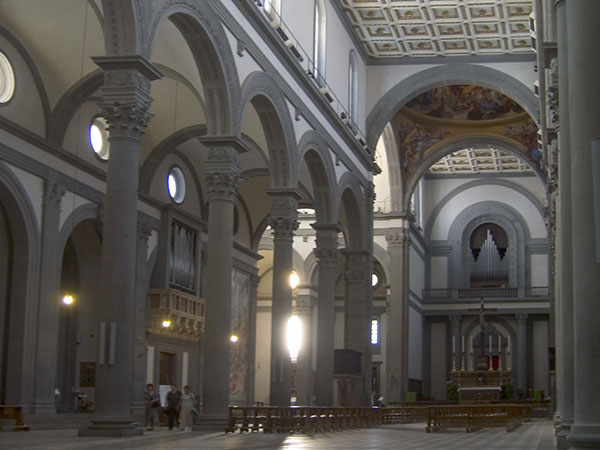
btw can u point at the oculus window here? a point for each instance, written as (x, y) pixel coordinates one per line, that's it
(7, 79)
(176, 184)
(99, 138)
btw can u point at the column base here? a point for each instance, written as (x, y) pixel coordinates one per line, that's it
(212, 423)
(111, 427)
(562, 431)
(583, 437)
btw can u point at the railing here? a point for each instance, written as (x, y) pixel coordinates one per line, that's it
(311, 70)
(472, 417)
(175, 313)
(486, 293)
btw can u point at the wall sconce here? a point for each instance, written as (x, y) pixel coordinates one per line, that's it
(166, 323)
(68, 300)
(233, 339)
(294, 280)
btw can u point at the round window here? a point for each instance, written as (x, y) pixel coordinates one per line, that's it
(99, 138)
(176, 184)
(7, 79)
(374, 280)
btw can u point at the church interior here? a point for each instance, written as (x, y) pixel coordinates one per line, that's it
(321, 202)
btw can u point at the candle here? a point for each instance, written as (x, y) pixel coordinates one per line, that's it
(499, 344)
(508, 346)
(490, 344)
(462, 347)
(453, 345)
(471, 344)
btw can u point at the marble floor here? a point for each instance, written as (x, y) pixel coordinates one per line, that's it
(534, 435)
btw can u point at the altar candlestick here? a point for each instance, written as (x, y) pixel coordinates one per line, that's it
(471, 344)
(462, 348)
(499, 344)
(508, 346)
(453, 345)
(490, 344)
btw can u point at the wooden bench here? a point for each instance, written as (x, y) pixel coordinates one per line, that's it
(300, 419)
(473, 417)
(10, 412)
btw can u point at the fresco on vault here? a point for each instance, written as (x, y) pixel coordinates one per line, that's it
(464, 102)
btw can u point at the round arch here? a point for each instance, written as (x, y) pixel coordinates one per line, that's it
(24, 285)
(460, 143)
(477, 214)
(445, 75)
(314, 150)
(350, 193)
(262, 92)
(203, 31)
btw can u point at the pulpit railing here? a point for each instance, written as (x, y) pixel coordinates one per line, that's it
(175, 313)
(508, 293)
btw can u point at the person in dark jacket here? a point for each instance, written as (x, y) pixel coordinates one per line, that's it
(151, 404)
(173, 405)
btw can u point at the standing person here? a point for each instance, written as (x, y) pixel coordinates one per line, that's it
(173, 404)
(187, 405)
(151, 404)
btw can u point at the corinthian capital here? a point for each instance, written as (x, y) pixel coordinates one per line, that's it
(222, 173)
(283, 227)
(53, 194)
(126, 93)
(398, 237)
(326, 255)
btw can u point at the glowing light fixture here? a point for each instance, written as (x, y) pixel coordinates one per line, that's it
(166, 323)
(234, 338)
(374, 332)
(294, 280)
(294, 336)
(68, 299)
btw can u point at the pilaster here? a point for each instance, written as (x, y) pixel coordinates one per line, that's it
(49, 301)
(398, 240)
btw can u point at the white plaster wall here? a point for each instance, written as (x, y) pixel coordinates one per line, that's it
(438, 360)
(300, 14)
(70, 202)
(383, 196)
(439, 272)
(469, 197)
(415, 339)
(540, 356)
(245, 64)
(384, 78)
(539, 270)
(262, 363)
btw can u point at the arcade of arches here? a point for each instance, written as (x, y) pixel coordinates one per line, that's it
(169, 166)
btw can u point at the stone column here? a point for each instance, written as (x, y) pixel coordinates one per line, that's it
(522, 320)
(125, 106)
(140, 348)
(49, 302)
(564, 301)
(456, 335)
(327, 254)
(283, 220)
(583, 59)
(303, 371)
(222, 178)
(356, 329)
(398, 240)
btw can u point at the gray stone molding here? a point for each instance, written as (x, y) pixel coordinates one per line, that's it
(445, 75)
(460, 143)
(24, 286)
(350, 198)
(23, 53)
(204, 33)
(260, 89)
(469, 219)
(314, 150)
(222, 174)
(463, 187)
(398, 237)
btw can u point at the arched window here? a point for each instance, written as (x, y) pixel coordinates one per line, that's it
(319, 42)
(353, 89)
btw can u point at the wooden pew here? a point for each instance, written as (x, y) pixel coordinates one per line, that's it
(473, 417)
(9, 412)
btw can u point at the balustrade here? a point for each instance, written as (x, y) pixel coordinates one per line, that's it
(175, 313)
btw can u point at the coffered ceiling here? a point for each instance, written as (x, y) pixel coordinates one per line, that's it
(480, 160)
(433, 28)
